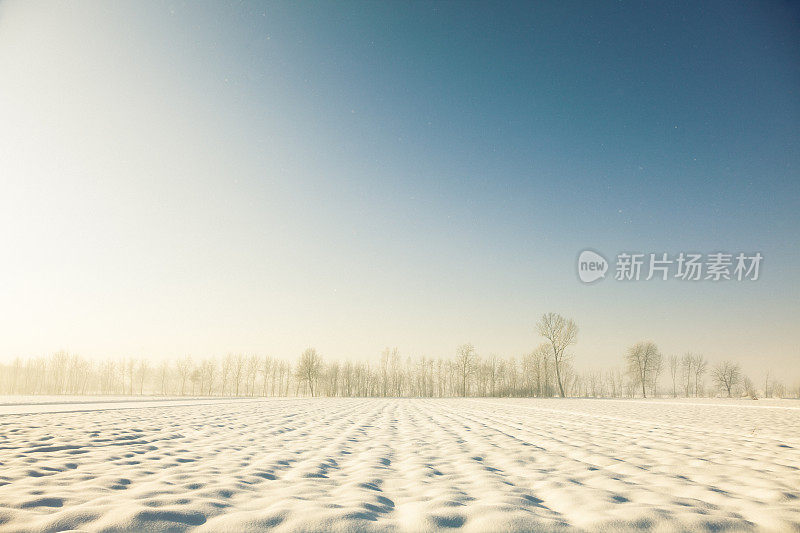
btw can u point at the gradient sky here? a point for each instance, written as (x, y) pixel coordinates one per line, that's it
(198, 178)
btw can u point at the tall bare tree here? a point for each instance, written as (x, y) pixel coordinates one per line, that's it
(562, 333)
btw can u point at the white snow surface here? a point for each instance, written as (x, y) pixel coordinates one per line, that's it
(398, 465)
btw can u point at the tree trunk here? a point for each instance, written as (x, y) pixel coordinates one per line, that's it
(558, 378)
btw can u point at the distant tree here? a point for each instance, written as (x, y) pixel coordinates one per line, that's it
(491, 374)
(396, 374)
(348, 373)
(195, 376)
(673, 372)
(749, 388)
(309, 368)
(130, 370)
(286, 372)
(536, 366)
(209, 370)
(441, 377)
(266, 366)
(562, 333)
(643, 358)
(658, 367)
(727, 375)
(77, 374)
(700, 367)
(141, 374)
(227, 370)
(465, 363)
(384, 371)
(511, 375)
(164, 377)
(614, 380)
(332, 377)
(687, 372)
(252, 373)
(56, 371)
(593, 383)
(184, 368)
(238, 372)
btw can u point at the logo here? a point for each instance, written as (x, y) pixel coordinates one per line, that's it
(591, 266)
(683, 266)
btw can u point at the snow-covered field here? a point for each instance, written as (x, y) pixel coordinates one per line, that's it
(395, 464)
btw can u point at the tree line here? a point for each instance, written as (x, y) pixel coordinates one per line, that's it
(546, 371)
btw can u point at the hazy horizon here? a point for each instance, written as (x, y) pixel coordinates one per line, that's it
(218, 177)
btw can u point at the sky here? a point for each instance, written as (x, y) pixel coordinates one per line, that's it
(211, 177)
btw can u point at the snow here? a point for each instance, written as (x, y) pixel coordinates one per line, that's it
(398, 464)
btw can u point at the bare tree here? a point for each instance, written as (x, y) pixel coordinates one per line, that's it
(562, 333)
(130, 369)
(492, 374)
(658, 367)
(465, 374)
(238, 372)
(727, 375)
(266, 365)
(164, 377)
(195, 377)
(643, 358)
(673, 372)
(384, 366)
(687, 371)
(465, 363)
(700, 367)
(184, 367)
(209, 369)
(141, 374)
(332, 378)
(286, 371)
(252, 373)
(309, 368)
(227, 370)
(750, 388)
(613, 377)
(396, 374)
(541, 369)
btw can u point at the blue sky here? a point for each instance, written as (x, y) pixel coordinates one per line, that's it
(205, 177)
